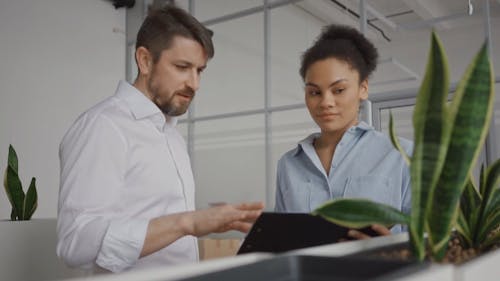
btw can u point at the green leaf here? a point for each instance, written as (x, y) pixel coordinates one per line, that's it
(490, 206)
(12, 159)
(464, 230)
(358, 213)
(470, 203)
(482, 180)
(429, 128)
(492, 183)
(470, 115)
(491, 240)
(490, 223)
(13, 214)
(14, 191)
(395, 140)
(30, 200)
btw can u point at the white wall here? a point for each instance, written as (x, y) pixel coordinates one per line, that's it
(58, 57)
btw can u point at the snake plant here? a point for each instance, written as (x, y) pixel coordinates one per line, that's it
(23, 205)
(479, 215)
(447, 141)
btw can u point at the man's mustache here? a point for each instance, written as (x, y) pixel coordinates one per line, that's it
(186, 92)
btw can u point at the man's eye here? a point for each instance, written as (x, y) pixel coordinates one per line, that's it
(339, 91)
(182, 67)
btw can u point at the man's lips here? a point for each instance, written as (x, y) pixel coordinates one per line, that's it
(188, 96)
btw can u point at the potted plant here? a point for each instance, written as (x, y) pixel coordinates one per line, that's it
(447, 142)
(23, 204)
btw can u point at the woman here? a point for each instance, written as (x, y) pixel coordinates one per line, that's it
(348, 158)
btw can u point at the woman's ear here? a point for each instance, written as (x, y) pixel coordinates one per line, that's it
(363, 90)
(144, 60)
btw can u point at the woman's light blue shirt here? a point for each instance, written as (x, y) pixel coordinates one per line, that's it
(365, 165)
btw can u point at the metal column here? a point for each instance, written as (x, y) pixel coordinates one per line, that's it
(267, 105)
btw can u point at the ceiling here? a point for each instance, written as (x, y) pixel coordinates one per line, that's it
(404, 14)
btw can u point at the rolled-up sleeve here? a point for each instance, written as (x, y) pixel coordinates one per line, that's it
(91, 228)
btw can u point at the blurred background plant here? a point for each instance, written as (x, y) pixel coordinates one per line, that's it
(23, 205)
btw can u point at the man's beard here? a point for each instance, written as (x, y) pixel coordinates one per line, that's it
(169, 107)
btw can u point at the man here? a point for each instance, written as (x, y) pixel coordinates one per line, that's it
(127, 192)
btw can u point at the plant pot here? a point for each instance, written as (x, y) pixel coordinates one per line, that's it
(364, 248)
(305, 268)
(28, 251)
(485, 267)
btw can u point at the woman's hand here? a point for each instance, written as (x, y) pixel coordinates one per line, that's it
(379, 229)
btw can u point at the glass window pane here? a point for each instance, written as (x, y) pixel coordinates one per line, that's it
(289, 128)
(234, 80)
(292, 31)
(229, 160)
(402, 117)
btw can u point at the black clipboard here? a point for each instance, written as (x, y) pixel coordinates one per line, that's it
(281, 232)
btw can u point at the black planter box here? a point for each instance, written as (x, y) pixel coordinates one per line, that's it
(315, 268)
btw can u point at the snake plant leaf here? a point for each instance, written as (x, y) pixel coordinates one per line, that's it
(30, 201)
(491, 240)
(14, 191)
(482, 180)
(464, 229)
(358, 213)
(470, 203)
(395, 140)
(470, 115)
(429, 132)
(491, 223)
(12, 159)
(470, 200)
(492, 184)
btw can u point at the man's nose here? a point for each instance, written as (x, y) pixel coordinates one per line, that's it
(193, 81)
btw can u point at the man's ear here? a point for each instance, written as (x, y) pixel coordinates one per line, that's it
(363, 90)
(144, 60)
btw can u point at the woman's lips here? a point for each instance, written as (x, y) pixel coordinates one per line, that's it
(328, 116)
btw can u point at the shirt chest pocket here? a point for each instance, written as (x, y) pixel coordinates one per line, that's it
(376, 188)
(297, 198)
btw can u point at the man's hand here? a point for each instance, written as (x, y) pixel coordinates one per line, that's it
(163, 231)
(225, 217)
(379, 229)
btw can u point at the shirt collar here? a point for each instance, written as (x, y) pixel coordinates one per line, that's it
(308, 142)
(141, 106)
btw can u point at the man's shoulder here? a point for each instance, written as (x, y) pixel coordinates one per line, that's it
(110, 108)
(101, 116)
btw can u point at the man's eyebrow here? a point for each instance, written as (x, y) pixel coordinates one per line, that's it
(188, 63)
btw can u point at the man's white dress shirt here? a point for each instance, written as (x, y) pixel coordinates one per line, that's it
(122, 164)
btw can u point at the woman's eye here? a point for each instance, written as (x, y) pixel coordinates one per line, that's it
(313, 93)
(339, 90)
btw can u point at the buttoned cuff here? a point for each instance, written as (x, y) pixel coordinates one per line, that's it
(122, 244)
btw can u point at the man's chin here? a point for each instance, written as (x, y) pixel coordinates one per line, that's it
(176, 112)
